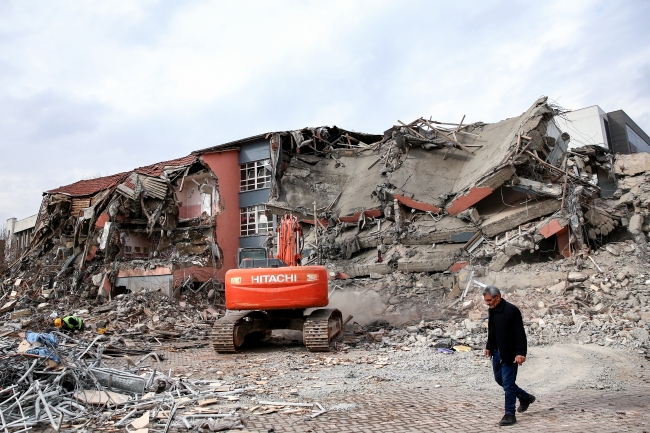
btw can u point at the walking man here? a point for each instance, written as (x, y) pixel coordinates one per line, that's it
(507, 346)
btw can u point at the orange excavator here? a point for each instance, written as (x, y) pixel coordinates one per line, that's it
(265, 293)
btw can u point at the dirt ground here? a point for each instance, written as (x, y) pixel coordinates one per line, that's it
(579, 388)
(561, 366)
(289, 367)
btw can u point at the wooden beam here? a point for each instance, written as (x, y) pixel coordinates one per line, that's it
(447, 137)
(412, 130)
(459, 126)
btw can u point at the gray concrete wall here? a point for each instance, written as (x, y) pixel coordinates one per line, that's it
(254, 151)
(252, 198)
(25, 223)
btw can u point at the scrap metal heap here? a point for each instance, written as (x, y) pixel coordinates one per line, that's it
(72, 385)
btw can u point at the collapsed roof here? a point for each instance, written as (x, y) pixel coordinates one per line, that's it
(421, 164)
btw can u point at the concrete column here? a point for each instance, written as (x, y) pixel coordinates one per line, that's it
(11, 225)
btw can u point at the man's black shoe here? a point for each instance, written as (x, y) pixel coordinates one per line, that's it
(508, 420)
(523, 405)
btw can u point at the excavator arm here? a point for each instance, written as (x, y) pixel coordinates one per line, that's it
(289, 240)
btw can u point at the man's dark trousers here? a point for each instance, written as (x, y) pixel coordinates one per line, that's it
(506, 376)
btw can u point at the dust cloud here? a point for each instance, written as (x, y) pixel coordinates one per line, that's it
(367, 307)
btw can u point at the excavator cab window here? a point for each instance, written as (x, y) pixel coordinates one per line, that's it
(261, 263)
(252, 253)
(257, 258)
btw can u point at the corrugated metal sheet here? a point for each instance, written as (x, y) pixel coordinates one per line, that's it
(99, 197)
(126, 191)
(154, 187)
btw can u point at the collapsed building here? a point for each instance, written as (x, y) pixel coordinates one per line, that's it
(149, 228)
(423, 197)
(167, 227)
(407, 223)
(433, 197)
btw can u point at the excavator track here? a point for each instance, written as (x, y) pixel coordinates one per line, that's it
(321, 327)
(223, 332)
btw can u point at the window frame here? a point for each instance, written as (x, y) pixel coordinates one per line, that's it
(248, 228)
(256, 181)
(636, 141)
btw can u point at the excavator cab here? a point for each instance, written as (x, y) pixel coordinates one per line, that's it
(257, 257)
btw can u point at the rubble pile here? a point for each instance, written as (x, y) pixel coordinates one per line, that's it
(134, 320)
(413, 219)
(603, 300)
(501, 190)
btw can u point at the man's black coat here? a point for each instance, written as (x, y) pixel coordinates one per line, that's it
(506, 331)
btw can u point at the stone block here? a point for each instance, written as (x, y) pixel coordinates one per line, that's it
(635, 225)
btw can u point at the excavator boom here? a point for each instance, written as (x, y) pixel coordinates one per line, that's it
(289, 238)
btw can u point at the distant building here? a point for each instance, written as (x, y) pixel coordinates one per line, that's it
(626, 136)
(586, 126)
(19, 232)
(615, 130)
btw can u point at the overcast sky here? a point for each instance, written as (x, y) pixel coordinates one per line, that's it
(90, 88)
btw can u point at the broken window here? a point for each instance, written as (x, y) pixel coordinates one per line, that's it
(254, 221)
(206, 204)
(135, 244)
(206, 199)
(255, 175)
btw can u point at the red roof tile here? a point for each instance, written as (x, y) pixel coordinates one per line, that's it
(157, 169)
(88, 187)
